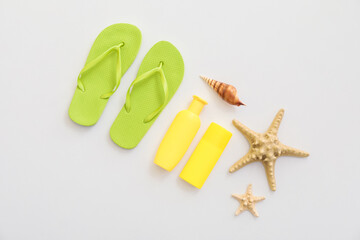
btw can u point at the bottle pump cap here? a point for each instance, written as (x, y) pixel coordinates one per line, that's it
(197, 105)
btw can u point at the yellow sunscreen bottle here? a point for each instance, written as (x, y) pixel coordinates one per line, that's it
(205, 155)
(180, 135)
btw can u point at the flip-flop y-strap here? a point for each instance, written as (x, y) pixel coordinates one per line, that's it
(142, 77)
(94, 62)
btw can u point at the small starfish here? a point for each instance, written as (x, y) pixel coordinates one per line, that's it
(247, 201)
(266, 148)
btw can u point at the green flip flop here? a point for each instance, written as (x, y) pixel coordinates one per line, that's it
(158, 78)
(112, 53)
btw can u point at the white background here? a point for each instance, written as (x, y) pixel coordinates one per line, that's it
(62, 181)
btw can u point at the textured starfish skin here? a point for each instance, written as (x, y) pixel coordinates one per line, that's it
(247, 201)
(266, 148)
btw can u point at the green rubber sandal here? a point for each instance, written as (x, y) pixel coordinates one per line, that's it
(112, 53)
(158, 78)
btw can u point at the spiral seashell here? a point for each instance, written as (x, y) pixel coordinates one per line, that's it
(226, 91)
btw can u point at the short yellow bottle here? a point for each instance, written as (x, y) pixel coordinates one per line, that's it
(206, 155)
(180, 135)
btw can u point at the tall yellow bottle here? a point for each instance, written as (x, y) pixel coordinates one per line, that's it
(180, 135)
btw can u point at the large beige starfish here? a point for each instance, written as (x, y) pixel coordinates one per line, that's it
(247, 202)
(266, 148)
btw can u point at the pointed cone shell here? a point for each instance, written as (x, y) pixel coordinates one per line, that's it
(226, 92)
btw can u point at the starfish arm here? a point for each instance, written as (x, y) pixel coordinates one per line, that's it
(290, 151)
(258, 199)
(270, 174)
(242, 162)
(248, 133)
(237, 196)
(274, 127)
(253, 211)
(249, 189)
(239, 210)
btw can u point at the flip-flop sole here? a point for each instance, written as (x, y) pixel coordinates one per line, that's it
(129, 127)
(86, 107)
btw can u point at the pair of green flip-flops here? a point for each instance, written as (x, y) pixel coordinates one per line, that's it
(158, 78)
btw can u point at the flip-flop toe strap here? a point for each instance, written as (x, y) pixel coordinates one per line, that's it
(142, 77)
(93, 63)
